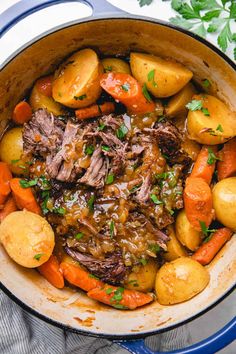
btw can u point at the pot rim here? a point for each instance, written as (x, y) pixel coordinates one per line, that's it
(130, 336)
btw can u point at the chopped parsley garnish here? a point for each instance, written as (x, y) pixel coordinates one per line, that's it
(80, 98)
(143, 261)
(15, 161)
(60, 211)
(38, 256)
(146, 93)
(109, 291)
(154, 248)
(205, 230)
(118, 295)
(205, 111)
(151, 75)
(122, 131)
(93, 276)
(45, 196)
(206, 239)
(219, 128)
(211, 157)
(110, 179)
(206, 83)
(90, 202)
(125, 87)
(133, 282)
(119, 306)
(105, 148)
(89, 150)
(155, 199)
(196, 105)
(101, 126)
(171, 211)
(79, 235)
(112, 228)
(44, 183)
(27, 184)
(108, 69)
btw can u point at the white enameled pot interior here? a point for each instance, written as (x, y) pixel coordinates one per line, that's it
(70, 307)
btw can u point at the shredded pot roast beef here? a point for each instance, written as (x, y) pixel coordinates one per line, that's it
(108, 186)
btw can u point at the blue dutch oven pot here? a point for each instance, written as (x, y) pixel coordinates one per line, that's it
(112, 31)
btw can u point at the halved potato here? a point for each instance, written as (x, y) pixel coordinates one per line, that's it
(143, 277)
(180, 280)
(39, 100)
(212, 129)
(27, 237)
(177, 103)
(116, 65)
(163, 77)
(77, 81)
(185, 233)
(174, 248)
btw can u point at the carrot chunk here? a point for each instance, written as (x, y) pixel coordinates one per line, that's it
(226, 167)
(5, 177)
(95, 110)
(52, 272)
(204, 166)
(24, 197)
(8, 208)
(207, 251)
(22, 113)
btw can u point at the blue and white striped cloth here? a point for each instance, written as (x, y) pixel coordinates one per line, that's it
(22, 333)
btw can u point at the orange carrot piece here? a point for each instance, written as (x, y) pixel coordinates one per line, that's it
(77, 276)
(124, 88)
(51, 271)
(22, 113)
(44, 85)
(24, 197)
(198, 202)
(227, 166)
(119, 297)
(207, 251)
(95, 110)
(202, 168)
(8, 208)
(5, 177)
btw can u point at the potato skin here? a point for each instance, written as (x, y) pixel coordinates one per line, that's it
(77, 81)
(174, 247)
(224, 202)
(170, 77)
(180, 280)
(115, 65)
(143, 278)
(25, 235)
(197, 122)
(185, 233)
(177, 103)
(11, 150)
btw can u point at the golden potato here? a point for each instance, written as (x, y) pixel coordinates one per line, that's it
(77, 81)
(116, 65)
(38, 100)
(177, 103)
(180, 280)
(143, 277)
(174, 248)
(224, 202)
(212, 129)
(185, 233)
(11, 150)
(163, 77)
(191, 147)
(27, 237)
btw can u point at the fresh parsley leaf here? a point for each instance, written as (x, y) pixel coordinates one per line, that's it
(101, 126)
(105, 148)
(89, 149)
(219, 128)
(122, 131)
(80, 98)
(205, 230)
(125, 87)
(118, 295)
(90, 202)
(224, 37)
(205, 111)
(79, 235)
(233, 10)
(212, 158)
(60, 211)
(15, 161)
(155, 200)
(108, 69)
(109, 291)
(112, 228)
(44, 205)
(154, 248)
(144, 2)
(151, 76)
(119, 306)
(206, 239)
(143, 261)
(200, 30)
(38, 256)
(211, 14)
(110, 179)
(93, 276)
(206, 83)
(27, 184)
(185, 10)
(146, 93)
(194, 105)
(179, 21)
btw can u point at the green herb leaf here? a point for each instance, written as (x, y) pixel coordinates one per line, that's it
(109, 291)
(15, 161)
(110, 179)
(27, 184)
(125, 87)
(122, 131)
(179, 21)
(205, 111)
(93, 276)
(233, 10)
(143, 261)
(194, 105)
(205, 230)
(200, 30)
(146, 93)
(80, 98)
(212, 158)
(112, 228)
(211, 14)
(79, 235)
(144, 2)
(219, 128)
(101, 126)
(118, 295)
(60, 211)
(90, 202)
(224, 37)
(206, 83)
(45, 196)
(105, 148)
(154, 248)
(89, 150)
(38, 256)
(151, 76)
(155, 199)
(108, 69)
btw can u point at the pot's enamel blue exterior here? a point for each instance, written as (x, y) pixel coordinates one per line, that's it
(104, 10)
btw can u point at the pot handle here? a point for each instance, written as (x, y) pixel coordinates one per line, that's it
(210, 345)
(24, 8)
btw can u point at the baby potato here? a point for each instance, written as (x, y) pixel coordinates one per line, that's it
(27, 237)
(162, 77)
(177, 103)
(39, 100)
(214, 127)
(143, 277)
(77, 81)
(11, 150)
(174, 248)
(116, 65)
(180, 280)
(185, 233)
(224, 202)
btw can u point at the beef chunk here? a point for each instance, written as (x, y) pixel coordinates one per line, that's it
(110, 269)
